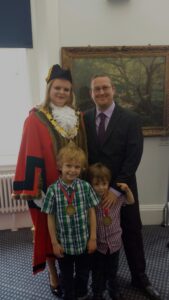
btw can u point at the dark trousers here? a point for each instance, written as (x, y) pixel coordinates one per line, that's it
(104, 269)
(133, 242)
(74, 275)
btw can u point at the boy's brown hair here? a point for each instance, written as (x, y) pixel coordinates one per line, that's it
(71, 152)
(99, 172)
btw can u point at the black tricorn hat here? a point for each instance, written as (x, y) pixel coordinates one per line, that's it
(56, 72)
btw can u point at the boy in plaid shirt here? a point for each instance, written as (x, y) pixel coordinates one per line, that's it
(70, 204)
(105, 259)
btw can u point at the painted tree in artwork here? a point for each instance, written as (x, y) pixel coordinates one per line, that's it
(139, 83)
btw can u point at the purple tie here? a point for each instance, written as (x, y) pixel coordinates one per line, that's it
(101, 129)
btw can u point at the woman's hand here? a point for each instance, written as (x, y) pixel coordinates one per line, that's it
(109, 199)
(91, 245)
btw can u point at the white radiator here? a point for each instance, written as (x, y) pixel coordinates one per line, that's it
(7, 204)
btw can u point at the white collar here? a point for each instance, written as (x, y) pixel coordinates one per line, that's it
(65, 116)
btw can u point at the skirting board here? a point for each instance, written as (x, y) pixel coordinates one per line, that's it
(152, 214)
(14, 221)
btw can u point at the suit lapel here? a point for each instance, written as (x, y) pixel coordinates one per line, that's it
(92, 122)
(113, 123)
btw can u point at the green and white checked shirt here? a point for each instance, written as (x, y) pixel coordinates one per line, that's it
(72, 231)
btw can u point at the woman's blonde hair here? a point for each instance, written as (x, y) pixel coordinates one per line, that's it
(71, 152)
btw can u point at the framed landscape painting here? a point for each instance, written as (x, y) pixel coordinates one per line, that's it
(140, 75)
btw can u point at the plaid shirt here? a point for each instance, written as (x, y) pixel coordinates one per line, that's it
(72, 231)
(109, 236)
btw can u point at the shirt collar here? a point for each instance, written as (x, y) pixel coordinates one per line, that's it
(67, 186)
(108, 112)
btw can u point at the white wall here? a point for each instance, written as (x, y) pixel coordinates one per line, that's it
(113, 22)
(58, 23)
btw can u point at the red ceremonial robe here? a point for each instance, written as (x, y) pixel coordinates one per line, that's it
(36, 169)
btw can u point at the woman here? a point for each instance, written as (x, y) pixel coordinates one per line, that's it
(47, 128)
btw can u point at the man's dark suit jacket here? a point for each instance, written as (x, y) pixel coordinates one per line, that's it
(122, 147)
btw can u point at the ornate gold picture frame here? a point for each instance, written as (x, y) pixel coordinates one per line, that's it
(139, 73)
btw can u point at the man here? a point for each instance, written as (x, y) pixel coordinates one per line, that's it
(114, 138)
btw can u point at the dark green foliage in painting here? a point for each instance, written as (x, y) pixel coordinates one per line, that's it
(139, 82)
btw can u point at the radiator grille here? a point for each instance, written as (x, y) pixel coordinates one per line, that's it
(7, 204)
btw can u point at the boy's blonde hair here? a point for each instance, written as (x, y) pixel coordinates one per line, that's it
(99, 172)
(72, 152)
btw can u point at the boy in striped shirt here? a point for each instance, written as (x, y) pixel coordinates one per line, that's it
(70, 204)
(105, 260)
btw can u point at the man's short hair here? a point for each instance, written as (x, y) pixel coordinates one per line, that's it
(101, 75)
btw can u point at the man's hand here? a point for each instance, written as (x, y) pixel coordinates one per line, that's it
(129, 195)
(123, 186)
(109, 199)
